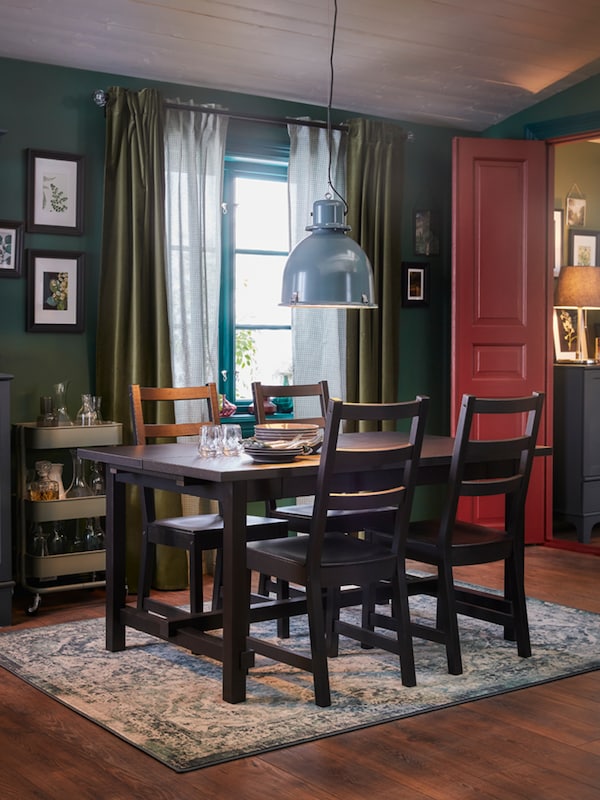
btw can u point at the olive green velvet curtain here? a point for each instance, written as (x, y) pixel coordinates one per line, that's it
(133, 335)
(374, 179)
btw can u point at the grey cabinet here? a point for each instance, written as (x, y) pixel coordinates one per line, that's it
(6, 573)
(577, 446)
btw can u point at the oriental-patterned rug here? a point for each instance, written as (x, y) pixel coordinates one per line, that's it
(167, 702)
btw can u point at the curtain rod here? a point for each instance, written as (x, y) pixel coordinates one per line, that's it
(100, 98)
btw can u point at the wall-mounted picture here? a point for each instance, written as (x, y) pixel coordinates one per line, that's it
(54, 192)
(11, 249)
(54, 292)
(566, 329)
(426, 233)
(583, 248)
(415, 284)
(576, 211)
(558, 240)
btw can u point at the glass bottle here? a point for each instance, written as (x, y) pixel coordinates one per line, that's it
(99, 531)
(89, 536)
(77, 545)
(43, 488)
(97, 407)
(57, 543)
(60, 403)
(78, 487)
(96, 482)
(39, 542)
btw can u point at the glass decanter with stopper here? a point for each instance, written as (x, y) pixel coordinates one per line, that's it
(43, 488)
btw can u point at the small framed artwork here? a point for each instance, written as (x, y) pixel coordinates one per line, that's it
(54, 192)
(11, 249)
(54, 292)
(583, 248)
(567, 327)
(576, 207)
(415, 284)
(558, 240)
(426, 233)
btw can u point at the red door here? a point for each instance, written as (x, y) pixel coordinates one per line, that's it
(501, 295)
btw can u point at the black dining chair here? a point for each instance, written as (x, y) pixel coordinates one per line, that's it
(196, 533)
(376, 470)
(481, 468)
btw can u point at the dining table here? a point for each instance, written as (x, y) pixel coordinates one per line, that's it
(233, 481)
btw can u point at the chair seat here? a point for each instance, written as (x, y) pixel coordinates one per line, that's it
(205, 531)
(489, 543)
(301, 514)
(339, 552)
(208, 522)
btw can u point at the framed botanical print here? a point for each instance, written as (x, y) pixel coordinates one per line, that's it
(54, 192)
(54, 291)
(11, 249)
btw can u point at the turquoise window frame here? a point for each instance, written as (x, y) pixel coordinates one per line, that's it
(247, 165)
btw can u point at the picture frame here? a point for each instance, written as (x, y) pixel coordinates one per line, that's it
(426, 232)
(415, 284)
(575, 207)
(558, 240)
(55, 292)
(55, 185)
(583, 248)
(11, 248)
(567, 327)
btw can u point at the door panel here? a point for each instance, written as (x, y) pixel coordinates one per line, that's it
(501, 293)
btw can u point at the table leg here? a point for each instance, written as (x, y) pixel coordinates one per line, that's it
(235, 598)
(115, 561)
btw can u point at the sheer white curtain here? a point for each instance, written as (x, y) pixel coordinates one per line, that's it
(194, 158)
(318, 335)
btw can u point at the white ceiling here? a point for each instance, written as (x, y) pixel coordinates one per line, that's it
(461, 63)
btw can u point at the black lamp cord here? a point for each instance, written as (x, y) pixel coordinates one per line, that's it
(329, 103)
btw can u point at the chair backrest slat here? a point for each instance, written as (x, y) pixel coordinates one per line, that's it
(263, 391)
(359, 474)
(141, 396)
(487, 467)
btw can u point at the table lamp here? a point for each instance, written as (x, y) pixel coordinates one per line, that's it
(579, 287)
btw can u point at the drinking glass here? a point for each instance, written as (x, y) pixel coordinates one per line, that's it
(211, 442)
(232, 440)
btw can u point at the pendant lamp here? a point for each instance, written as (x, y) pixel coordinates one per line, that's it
(328, 269)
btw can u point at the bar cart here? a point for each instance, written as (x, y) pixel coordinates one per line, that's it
(42, 568)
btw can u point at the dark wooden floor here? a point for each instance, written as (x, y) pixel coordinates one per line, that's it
(542, 742)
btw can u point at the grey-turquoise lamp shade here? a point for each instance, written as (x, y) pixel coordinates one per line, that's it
(328, 269)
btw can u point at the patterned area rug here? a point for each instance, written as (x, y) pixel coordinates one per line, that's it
(167, 702)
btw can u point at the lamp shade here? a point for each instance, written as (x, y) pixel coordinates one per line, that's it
(579, 287)
(328, 269)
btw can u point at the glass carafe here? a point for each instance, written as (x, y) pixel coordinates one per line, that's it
(60, 403)
(79, 486)
(87, 414)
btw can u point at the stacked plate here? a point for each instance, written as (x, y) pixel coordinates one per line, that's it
(279, 442)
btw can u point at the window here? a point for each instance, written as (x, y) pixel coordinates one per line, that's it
(255, 331)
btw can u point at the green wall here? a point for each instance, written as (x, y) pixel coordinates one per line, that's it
(579, 100)
(51, 108)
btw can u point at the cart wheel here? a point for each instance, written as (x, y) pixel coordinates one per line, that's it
(33, 608)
